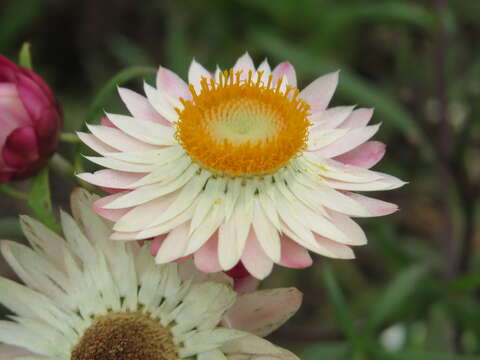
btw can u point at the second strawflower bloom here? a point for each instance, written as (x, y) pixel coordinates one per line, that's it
(239, 166)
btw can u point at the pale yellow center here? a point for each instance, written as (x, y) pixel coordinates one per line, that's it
(241, 127)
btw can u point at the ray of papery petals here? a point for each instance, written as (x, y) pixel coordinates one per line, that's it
(375, 206)
(117, 139)
(351, 140)
(285, 69)
(21, 148)
(95, 144)
(294, 255)
(195, 74)
(255, 348)
(8, 352)
(365, 155)
(172, 84)
(262, 312)
(206, 258)
(358, 118)
(140, 107)
(319, 93)
(331, 118)
(155, 244)
(174, 245)
(111, 178)
(244, 64)
(112, 215)
(335, 249)
(246, 284)
(254, 258)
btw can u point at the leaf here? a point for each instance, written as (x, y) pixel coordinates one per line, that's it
(419, 355)
(25, 58)
(40, 202)
(330, 351)
(340, 309)
(16, 17)
(396, 295)
(351, 85)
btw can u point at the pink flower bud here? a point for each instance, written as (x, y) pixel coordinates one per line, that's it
(30, 121)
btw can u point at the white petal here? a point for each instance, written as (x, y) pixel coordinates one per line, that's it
(266, 233)
(118, 139)
(195, 74)
(331, 118)
(319, 93)
(162, 103)
(146, 131)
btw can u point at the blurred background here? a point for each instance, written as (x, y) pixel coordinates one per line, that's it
(413, 292)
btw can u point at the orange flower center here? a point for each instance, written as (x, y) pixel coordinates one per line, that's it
(241, 127)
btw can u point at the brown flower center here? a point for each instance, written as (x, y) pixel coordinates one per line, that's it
(125, 336)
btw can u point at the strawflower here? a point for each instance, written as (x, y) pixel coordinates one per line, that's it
(30, 121)
(239, 166)
(89, 298)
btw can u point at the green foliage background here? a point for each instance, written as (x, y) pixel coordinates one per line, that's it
(413, 292)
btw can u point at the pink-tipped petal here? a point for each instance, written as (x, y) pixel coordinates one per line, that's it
(374, 206)
(112, 215)
(172, 84)
(174, 245)
(254, 258)
(358, 118)
(335, 249)
(155, 243)
(351, 140)
(206, 258)
(244, 64)
(118, 140)
(350, 228)
(285, 69)
(140, 108)
(111, 178)
(319, 93)
(365, 155)
(294, 255)
(195, 74)
(262, 312)
(95, 144)
(8, 352)
(331, 118)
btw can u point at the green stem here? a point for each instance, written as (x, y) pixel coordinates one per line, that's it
(69, 138)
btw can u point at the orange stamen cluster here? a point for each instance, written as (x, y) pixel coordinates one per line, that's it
(241, 127)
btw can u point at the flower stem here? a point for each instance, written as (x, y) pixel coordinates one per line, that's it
(69, 138)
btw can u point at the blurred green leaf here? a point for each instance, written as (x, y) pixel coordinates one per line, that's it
(341, 310)
(10, 228)
(16, 17)
(40, 201)
(417, 355)
(11, 191)
(396, 295)
(25, 58)
(330, 351)
(351, 85)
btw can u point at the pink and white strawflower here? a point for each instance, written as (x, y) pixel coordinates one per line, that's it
(30, 121)
(239, 166)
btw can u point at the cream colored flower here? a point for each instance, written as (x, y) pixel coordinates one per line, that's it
(89, 298)
(239, 166)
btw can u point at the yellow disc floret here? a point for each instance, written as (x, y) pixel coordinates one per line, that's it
(243, 127)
